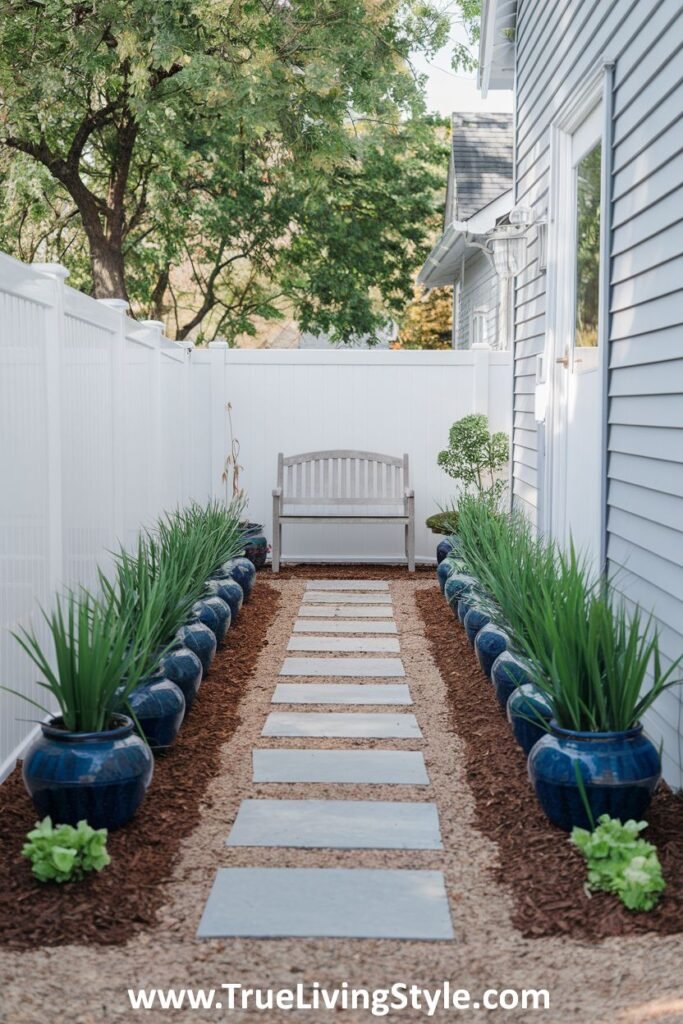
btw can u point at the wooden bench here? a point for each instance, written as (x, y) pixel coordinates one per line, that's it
(343, 487)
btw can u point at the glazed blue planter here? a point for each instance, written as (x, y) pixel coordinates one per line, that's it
(490, 642)
(443, 550)
(101, 777)
(466, 601)
(526, 706)
(241, 570)
(214, 613)
(256, 545)
(475, 620)
(507, 674)
(159, 707)
(229, 591)
(620, 772)
(457, 584)
(443, 571)
(183, 667)
(201, 642)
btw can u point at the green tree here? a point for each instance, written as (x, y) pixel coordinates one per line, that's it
(427, 321)
(184, 153)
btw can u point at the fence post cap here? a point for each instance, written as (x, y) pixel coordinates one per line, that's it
(53, 269)
(218, 343)
(157, 325)
(120, 304)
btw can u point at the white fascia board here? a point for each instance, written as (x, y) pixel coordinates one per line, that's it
(438, 269)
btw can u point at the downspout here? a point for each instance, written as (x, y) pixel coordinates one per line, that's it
(605, 299)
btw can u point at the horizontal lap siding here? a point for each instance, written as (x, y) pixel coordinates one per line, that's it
(557, 45)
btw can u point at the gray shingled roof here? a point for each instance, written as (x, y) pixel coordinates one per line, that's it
(482, 160)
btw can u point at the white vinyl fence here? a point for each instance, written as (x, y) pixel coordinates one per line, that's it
(104, 424)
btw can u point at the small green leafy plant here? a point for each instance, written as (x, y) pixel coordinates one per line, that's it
(475, 456)
(621, 862)
(63, 853)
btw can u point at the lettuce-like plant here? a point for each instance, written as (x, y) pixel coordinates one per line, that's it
(619, 861)
(63, 853)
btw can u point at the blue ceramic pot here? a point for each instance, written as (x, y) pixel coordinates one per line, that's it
(183, 667)
(526, 707)
(256, 549)
(214, 613)
(229, 591)
(159, 707)
(457, 584)
(201, 642)
(466, 601)
(489, 643)
(620, 772)
(475, 620)
(443, 550)
(99, 776)
(241, 570)
(507, 673)
(443, 571)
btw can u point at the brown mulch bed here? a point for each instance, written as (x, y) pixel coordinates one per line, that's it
(108, 908)
(536, 864)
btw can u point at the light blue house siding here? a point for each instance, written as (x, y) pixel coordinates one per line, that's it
(557, 44)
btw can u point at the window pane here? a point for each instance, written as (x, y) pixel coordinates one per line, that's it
(587, 249)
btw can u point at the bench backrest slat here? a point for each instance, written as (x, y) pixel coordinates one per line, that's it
(342, 477)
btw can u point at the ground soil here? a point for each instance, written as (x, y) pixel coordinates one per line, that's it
(532, 851)
(108, 907)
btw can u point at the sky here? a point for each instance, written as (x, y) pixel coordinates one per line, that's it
(448, 91)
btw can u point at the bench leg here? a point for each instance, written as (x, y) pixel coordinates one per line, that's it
(277, 541)
(410, 535)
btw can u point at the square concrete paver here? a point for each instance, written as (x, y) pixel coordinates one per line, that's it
(364, 767)
(342, 724)
(338, 903)
(319, 597)
(340, 611)
(345, 644)
(341, 693)
(370, 668)
(347, 585)
(337, 824)
(350, 626)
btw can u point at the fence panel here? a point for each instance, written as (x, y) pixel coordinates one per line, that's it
(385, 401)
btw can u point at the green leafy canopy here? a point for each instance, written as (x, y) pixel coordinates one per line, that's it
(220, 161)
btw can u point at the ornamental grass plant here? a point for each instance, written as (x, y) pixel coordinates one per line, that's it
(102, 646)
(597, 659)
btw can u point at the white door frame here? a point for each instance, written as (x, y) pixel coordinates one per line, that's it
(595, 90)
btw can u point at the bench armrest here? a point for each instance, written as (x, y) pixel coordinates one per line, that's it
(409, 492)
(277, 492)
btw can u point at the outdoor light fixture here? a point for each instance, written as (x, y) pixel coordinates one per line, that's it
(508, 251)
(505, 248)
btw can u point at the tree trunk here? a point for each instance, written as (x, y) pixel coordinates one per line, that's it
(108, 272)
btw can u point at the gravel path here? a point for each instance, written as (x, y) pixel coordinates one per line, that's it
(625, 981)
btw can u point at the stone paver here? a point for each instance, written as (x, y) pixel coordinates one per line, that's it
(345, 644)
(367, 767)
(350, 626)
(315, 597)
(369, 668)
(337, 824)
(342, 724)
(347, 585)
(327, 902)
(376, 611)
(341, 693)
